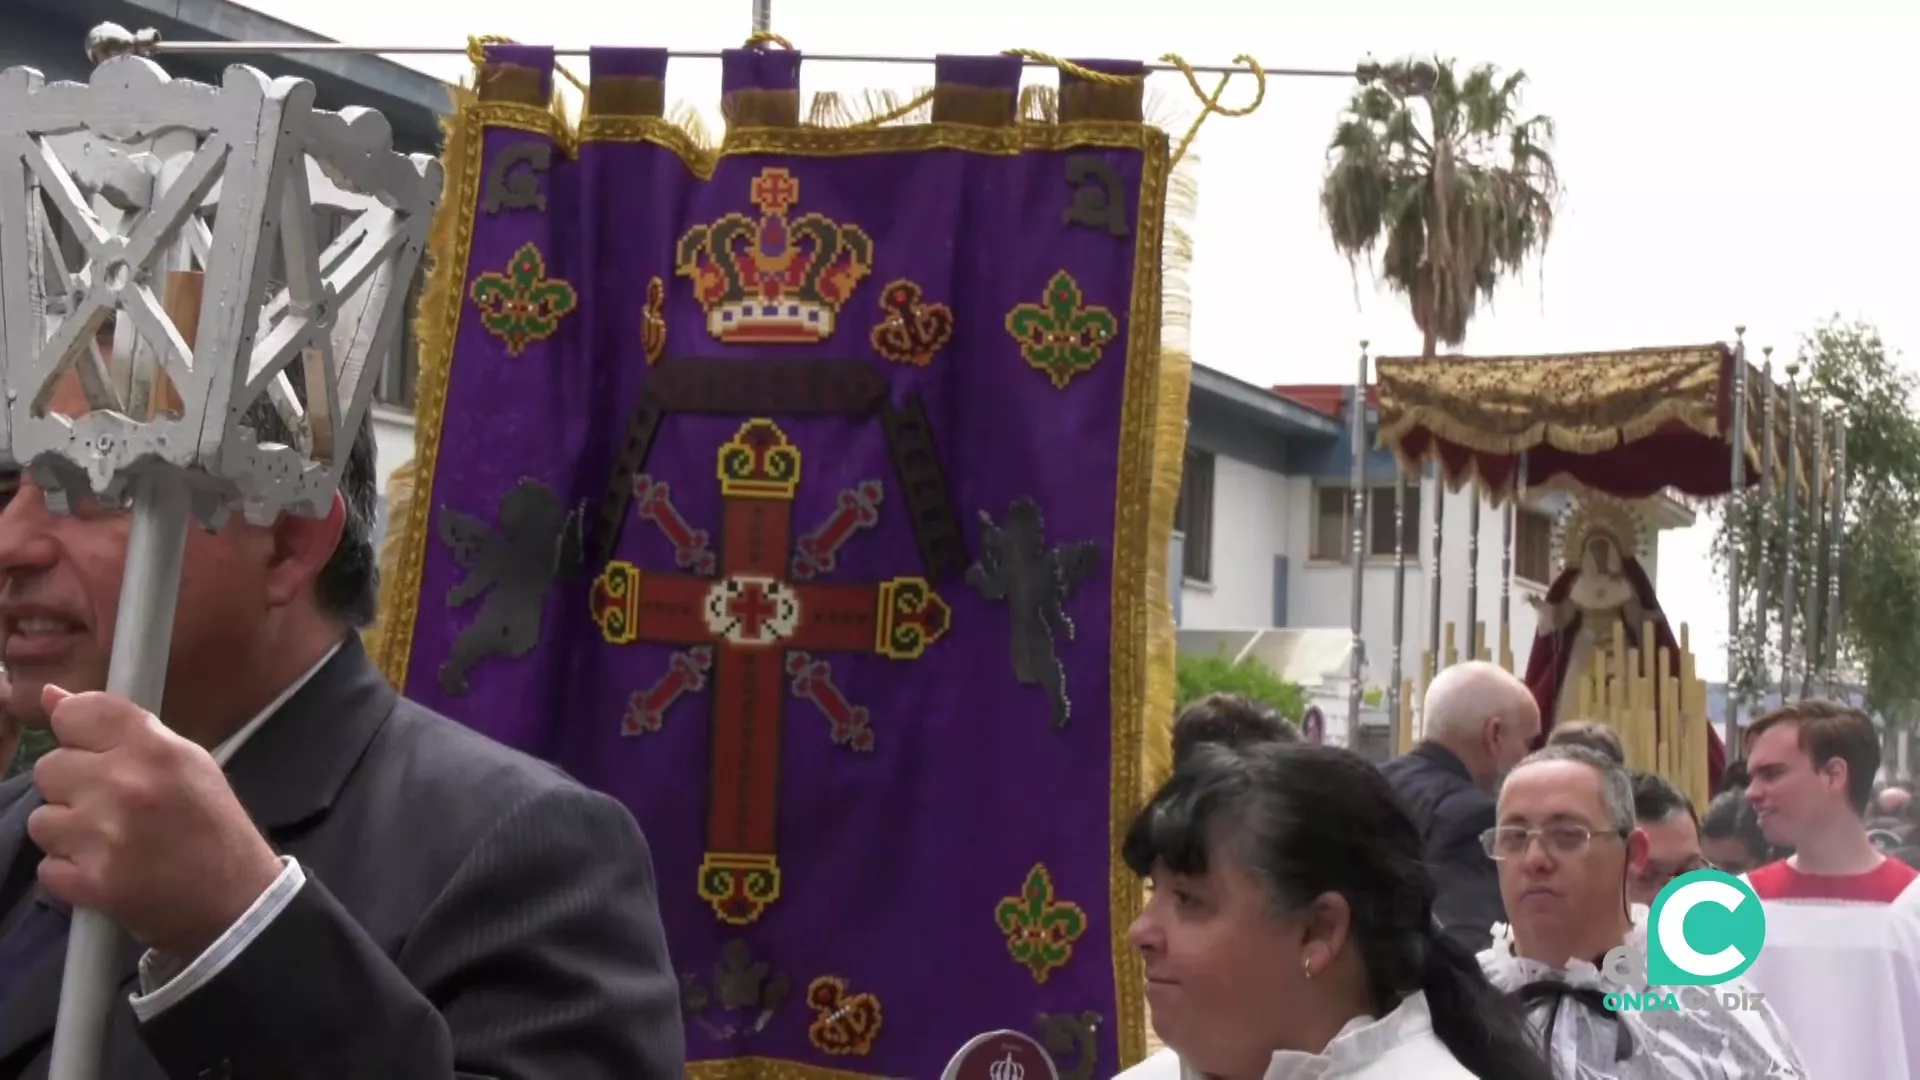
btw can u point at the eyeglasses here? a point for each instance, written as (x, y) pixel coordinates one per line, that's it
(1566, 838)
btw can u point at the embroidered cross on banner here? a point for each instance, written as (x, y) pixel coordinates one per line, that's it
(754, 615)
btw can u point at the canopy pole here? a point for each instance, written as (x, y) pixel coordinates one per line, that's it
(1811, 634)
(1763, 524)
(1356, 663)
(1394, 694)
(1434, 660)
(1790, 532)
(1836, 523)
(1737, 441)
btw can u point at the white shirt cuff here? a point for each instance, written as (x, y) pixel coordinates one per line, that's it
(165, 981)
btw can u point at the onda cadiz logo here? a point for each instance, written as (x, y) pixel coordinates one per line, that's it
(1704, 929)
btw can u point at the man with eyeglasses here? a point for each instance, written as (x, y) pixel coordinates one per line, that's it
(1673, 836)
(1568, 847)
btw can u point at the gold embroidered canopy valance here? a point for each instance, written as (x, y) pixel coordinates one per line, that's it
(1628, 423)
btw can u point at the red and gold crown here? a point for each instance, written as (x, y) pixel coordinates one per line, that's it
(778, 279)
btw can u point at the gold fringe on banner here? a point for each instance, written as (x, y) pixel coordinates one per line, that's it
(1153, 423)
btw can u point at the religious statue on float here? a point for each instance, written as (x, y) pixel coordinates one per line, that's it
(1601, 584)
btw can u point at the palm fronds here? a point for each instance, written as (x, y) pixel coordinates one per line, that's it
(1441, 179)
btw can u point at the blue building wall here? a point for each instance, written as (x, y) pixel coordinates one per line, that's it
(1332, 461)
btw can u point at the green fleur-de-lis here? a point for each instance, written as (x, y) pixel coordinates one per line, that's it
(1040, 929)
(1062, 336)
(523, 305)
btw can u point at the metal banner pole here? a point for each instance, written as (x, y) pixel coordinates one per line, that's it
(254, 151)
(1356, 664)
(762, 16)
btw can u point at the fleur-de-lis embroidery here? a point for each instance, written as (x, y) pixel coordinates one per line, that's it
(653, 322)
(1062, 336)
(523, 305)
(1040, 929)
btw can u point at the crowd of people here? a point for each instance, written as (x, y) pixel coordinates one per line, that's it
(1464, 911)
(1477, 906)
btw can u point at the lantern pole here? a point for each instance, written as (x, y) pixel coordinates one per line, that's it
(191, 452)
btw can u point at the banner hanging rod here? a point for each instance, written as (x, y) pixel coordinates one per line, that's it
(294, 48)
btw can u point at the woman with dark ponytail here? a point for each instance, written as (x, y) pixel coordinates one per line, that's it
(1289, 931)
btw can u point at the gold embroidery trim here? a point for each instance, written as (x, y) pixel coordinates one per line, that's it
(511, 84)
(761, 108)
(1081, 100)
(626, 95)
(983, 106)
(1152, 439)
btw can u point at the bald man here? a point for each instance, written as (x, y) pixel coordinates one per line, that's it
(1479, 722)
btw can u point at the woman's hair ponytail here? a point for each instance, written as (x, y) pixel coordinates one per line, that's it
(1485, 1030)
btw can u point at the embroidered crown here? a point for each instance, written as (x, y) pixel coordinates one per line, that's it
(778, 278)
(1007, 1069)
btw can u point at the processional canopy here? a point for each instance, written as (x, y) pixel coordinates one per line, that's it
(160, 246)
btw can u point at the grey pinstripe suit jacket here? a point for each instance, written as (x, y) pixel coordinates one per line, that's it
(469, 912)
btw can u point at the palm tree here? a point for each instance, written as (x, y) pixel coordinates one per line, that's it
(1445, 173)
(1455, 191)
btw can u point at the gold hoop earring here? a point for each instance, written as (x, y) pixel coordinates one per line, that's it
(1306, 968)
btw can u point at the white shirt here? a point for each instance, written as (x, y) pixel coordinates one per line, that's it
(1696, 1042)
(165, 980)
(1842, 963)
(1399, 1046)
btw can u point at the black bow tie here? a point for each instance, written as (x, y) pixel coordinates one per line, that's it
(1550, 991)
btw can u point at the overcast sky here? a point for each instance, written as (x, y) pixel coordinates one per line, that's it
(1723, 167)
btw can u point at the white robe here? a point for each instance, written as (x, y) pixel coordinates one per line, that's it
(1842, 964)
(1692, 1043)
(1399, 1046)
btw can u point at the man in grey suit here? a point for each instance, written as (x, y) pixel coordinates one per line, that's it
(365, 891)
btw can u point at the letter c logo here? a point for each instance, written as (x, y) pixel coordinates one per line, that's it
(1741, 923)
(1673, 928)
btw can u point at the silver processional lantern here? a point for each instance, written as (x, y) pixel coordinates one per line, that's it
(159, 244)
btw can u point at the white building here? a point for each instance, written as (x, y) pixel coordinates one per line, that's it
(1263, 536)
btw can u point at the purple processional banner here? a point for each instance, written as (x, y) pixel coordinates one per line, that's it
(811, 495)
